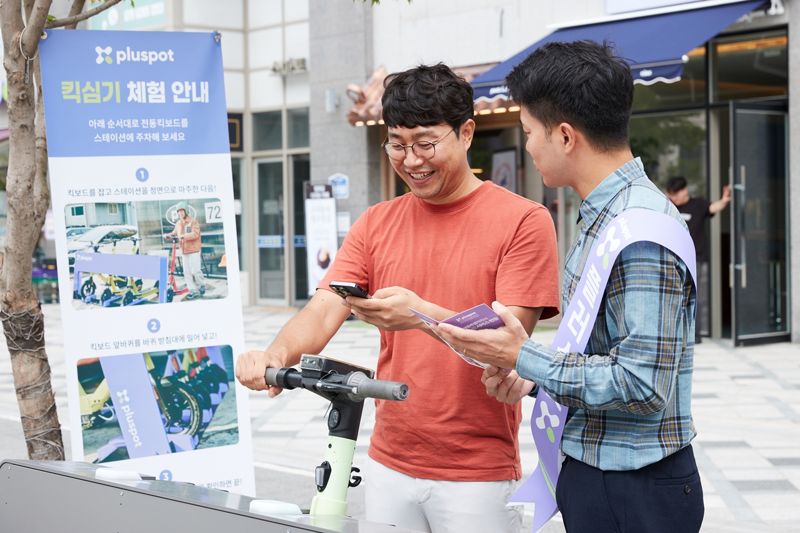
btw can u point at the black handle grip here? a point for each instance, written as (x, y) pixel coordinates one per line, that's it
(285, 378)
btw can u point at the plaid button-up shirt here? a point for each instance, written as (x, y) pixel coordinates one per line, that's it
(629, 393)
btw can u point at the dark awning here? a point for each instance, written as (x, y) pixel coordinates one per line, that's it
(655, 45)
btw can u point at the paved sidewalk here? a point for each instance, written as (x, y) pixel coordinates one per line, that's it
(746, 404)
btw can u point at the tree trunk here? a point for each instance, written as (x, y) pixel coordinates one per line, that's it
(21, 314)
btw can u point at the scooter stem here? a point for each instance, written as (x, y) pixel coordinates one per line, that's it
(333, 476)
(339, 458)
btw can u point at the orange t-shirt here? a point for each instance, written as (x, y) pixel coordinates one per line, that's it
(489, 245)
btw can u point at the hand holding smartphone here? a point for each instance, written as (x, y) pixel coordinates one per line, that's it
(348, 288)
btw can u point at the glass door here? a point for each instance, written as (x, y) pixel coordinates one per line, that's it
(271, 241)
(759, 222)
(301, 174)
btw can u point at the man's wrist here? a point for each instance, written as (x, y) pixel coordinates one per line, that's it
(534, 391)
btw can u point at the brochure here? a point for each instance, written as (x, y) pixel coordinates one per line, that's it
(479, 317)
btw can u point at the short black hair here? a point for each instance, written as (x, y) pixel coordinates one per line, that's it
(582, 83)
(425, 96)
(676, 183)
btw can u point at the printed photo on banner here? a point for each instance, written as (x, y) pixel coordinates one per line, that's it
(157, 403)
(149, 252)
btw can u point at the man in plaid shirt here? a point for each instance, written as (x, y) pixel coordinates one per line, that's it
(629, 463)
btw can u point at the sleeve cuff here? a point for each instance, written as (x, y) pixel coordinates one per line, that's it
(533, 362)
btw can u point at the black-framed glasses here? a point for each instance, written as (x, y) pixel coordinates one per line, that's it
(421, 149)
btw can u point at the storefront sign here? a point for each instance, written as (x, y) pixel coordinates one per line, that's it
(504, 169)
(321, 237)
(145, 238)
(343, 220)
(340, 183)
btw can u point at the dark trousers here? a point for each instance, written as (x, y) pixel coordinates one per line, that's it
(663, 497)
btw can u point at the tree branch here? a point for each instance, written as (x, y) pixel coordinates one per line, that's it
(10, 21)
(41, 188)
(74, 19)
(74, 11)
(33, 29)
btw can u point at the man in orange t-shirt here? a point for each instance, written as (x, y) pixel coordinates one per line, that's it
(447, 458)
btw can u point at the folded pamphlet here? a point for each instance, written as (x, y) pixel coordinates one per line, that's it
(479, 317)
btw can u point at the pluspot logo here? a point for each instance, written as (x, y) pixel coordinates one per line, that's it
(548, 421)
(609, 245)
(103, 55)
(128, 417)
(127, 55)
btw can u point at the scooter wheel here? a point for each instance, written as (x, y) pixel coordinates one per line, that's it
(107, 294)
(128, 298)
(170, 295)
(88, 288)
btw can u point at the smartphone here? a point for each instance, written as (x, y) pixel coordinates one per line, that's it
(348, 288)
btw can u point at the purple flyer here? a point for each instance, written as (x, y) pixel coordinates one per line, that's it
(479, 317)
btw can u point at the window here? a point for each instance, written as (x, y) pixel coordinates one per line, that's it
(236, 171)
(297, 122)
(267, 131)
(235, 131)
(751, 66)
(76, 210)
(672, 144)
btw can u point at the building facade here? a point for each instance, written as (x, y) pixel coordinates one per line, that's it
(725, 119)
(294, 68)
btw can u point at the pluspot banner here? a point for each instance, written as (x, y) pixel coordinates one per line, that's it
(146, 249)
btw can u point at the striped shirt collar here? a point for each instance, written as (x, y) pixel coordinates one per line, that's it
(599, 198)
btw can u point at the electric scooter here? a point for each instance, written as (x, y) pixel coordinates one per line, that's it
(346, 386)
(70, 486)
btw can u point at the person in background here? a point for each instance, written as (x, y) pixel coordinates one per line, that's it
(695, 211)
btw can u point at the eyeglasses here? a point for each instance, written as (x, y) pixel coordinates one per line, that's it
(421, 149)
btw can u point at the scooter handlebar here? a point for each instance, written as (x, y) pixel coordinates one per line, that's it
(359, 384)
(381, 390)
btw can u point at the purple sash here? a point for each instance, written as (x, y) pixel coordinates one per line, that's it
(548, 417)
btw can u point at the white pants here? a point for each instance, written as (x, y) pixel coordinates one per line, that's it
(439, 506)
(193, 272)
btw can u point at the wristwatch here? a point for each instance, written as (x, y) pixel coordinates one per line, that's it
(534, 391)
